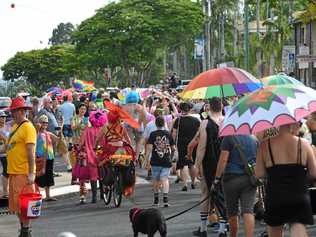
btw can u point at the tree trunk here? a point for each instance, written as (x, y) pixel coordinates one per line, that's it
(235, 32)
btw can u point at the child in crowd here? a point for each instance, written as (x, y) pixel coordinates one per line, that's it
(161, 147)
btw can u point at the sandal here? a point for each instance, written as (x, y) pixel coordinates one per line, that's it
(51, 199)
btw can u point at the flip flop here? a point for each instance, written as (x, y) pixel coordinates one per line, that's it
(51, 199)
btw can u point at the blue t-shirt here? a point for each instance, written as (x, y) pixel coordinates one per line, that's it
(247, 143)
(67, 109)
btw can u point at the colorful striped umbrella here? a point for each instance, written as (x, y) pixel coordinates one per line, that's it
(268, 107)
(279, 79)
(221, 82)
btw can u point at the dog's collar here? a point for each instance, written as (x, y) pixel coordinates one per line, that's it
(137, 211)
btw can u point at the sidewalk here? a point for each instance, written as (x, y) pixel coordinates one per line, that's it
(63, 187)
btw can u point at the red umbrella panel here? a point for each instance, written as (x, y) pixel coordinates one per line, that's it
(221, 82)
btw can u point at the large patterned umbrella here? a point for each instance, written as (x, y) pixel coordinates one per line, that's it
(268, 107)
(280, 79)
(220, 82)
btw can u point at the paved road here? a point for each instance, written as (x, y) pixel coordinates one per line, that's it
(96, 220)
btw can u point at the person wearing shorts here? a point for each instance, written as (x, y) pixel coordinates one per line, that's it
(67, 110)
(236, 182)
(21, 160)
(161, 147)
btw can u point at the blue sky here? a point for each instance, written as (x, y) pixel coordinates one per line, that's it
(30, 24)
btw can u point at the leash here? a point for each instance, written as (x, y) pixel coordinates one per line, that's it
(186, 210)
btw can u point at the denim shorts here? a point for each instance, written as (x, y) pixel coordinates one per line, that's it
(67, 131)
(159, 172)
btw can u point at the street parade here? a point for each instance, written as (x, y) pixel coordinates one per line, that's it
(161, 118)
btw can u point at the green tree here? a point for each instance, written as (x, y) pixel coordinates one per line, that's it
(42, 68)
(62, 34)
(129, 34)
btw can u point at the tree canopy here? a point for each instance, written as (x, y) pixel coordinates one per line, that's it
(129, 33)
(62, 34)
(42, 68)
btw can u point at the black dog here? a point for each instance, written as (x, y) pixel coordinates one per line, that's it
(148, 221)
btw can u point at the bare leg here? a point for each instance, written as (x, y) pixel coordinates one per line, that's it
(192, 173)
(5, 186)
(233, 224)
(156, 186)
(47, 192)
(249, 220)
(297, 229)
(165, 184)
(184, 175)
(276, 231)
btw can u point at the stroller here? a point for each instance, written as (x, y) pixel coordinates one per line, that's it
(219, 202)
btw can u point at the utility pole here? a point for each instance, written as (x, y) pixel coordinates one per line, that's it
(207, 33)
(258, 52)
(246, 35)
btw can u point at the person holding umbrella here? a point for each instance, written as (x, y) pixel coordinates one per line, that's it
(286, 161)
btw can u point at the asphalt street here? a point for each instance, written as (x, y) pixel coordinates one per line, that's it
(96, 220)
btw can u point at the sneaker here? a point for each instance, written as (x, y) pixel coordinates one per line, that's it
(184, 189)
(199, 233)
(193, 186)
(82, 201)
(166, 204)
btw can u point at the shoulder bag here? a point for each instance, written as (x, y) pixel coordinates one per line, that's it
(248, 167)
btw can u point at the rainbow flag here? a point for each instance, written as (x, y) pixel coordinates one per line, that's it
(80, 85)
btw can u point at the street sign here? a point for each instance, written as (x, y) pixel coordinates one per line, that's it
(288, 58)
(303, 52)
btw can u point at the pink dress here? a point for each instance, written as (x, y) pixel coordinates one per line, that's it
(89, 137)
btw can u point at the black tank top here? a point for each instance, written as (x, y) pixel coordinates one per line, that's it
(287, 197)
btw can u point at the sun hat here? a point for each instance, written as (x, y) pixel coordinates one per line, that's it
(18, 103)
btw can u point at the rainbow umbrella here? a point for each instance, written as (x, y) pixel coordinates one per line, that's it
(269, 107)
(280, 79)
(220, 82)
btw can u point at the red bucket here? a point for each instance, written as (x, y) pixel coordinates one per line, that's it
(30, 203)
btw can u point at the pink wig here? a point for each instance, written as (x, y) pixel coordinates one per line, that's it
(98, 118)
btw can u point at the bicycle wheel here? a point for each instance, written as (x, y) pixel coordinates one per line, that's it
(117, 188)
(107, 194)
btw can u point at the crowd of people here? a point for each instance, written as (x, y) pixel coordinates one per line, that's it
(174, 136)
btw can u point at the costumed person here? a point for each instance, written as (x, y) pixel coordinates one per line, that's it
(114, 139)
(86, 168)
(139, 114)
